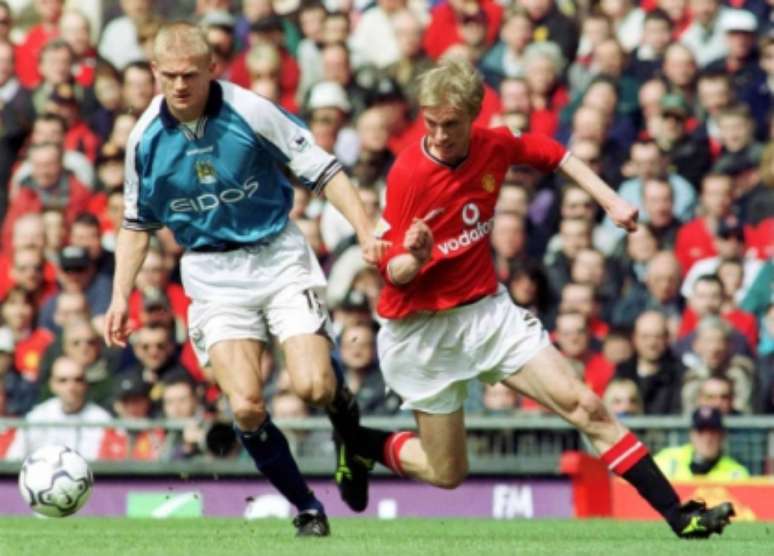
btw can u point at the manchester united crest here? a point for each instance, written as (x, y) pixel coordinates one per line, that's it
(489, 183)
(205, 172)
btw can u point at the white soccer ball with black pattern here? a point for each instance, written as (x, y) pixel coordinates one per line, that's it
(55, 481)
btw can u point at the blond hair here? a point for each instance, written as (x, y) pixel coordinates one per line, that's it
(182, 38)
(453, 82)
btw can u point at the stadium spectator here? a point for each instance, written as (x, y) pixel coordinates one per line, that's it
(509, 242)
(575, 235)
(443, 31)
(412, 61)
(19, 394)
(85, 233)
(498, 399)
(574, 341)
(714, 95)
(374, 40)
(658, 211)
(48, 186)
(656, 373)
(37, 37)
(16, 115)
(648, 162)
(706, 35)
(690, 155)
(19, 316)
(358, 356)
(77, 273)
(51, 128)
(180, 401)
(69, 403)
(704, 455)
(75, 30)
(119, 43)
(329, 111)
(137, 87)
(707, 300)
(27, 271)
(622, 398)
(712, 355)
(659, 292)
(717, 392)
(154, 348)
(131, 403)
(648, 53)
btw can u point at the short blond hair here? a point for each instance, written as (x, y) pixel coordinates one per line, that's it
(181, 37)
(453, 82)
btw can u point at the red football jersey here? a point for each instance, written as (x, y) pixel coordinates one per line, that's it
(458, 204)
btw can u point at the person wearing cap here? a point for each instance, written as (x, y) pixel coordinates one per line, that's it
(78, 273)
(245, 266)
(704, 456)
(329, 109)
(690, 156)
(218, 26)
(706, 35)
(131, 402)
(741, 58)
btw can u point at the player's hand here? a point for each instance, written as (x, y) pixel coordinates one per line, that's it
(623, 214)
(116, 328)
(373, 249)
(419, 240)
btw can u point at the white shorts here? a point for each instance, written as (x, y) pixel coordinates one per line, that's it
(429, 358)
(250, 292)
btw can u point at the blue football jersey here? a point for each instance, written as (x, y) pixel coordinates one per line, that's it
(222, 182)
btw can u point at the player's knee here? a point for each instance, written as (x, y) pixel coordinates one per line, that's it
(317, 388)
(249, 411)
(451, 476)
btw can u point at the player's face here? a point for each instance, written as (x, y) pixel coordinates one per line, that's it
(185, 83)
(448, 132)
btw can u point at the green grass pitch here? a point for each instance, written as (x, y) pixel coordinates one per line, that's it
(367, 537)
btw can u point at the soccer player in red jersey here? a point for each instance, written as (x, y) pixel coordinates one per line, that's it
(447, 321)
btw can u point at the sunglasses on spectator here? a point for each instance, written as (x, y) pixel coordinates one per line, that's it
(157, 345)
(76, 379)
(77, 342)
(480, 17)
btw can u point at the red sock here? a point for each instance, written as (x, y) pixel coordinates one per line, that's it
(625, 454)
(392, 447)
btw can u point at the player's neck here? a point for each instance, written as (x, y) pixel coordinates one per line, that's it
(188, 116)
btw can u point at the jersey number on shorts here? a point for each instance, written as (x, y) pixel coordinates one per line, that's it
(314, 302)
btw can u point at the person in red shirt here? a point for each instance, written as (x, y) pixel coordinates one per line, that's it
(448, 322)
(29, 50)
(696, 238)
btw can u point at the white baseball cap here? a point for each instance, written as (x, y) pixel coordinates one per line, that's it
(739, 20)
(329, 94)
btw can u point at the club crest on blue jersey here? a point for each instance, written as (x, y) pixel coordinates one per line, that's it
(205, 172)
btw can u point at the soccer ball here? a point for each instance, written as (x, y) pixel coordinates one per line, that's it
(55, 481)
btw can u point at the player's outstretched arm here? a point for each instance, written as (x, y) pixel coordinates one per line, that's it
(622, 213)
(131, 248)
(342, 195)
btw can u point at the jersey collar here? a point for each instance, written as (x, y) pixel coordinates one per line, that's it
(214, 102)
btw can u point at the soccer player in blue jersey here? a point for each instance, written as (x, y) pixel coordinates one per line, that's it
(205, 161)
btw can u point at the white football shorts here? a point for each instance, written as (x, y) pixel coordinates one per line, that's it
(250, 292)
(429, 358)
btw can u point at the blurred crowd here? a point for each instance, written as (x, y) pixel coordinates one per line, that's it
(668, 100)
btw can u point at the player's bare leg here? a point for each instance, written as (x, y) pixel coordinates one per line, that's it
(439, 455)
(314, 379)
(549, 380)
(236, 367)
